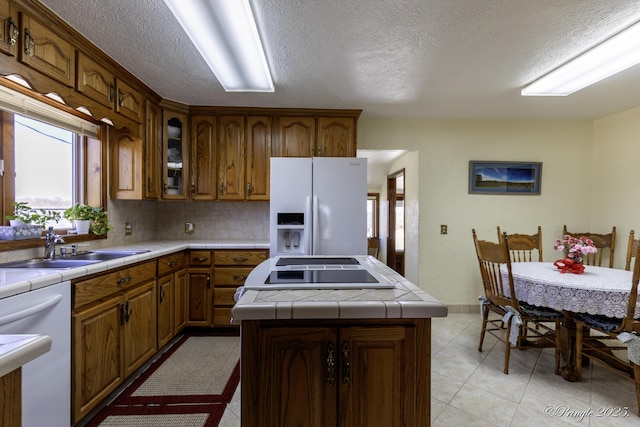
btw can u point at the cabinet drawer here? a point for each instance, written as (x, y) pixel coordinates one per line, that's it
(200, 257)
(239, 257)
(222, 317)
(231, 276)
(170, 263)
(91, 290)
(223, 296)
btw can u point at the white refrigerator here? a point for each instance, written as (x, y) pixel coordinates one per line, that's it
(318, 206)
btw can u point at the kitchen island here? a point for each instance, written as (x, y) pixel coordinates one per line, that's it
(319, 357)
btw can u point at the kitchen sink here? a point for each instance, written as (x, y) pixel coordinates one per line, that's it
(61, 263)
(105, 255)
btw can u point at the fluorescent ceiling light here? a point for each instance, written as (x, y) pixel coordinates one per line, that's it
(225, 34)
(606, 59)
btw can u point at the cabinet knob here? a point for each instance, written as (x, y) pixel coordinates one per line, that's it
(346, 364)
(331, 363)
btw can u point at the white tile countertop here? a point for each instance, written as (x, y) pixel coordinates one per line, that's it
(403, 300)
(15, 281)
(17, 350)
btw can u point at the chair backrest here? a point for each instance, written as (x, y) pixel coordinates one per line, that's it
(629, 323)
(606, 244)
(523, 247)
(491, 256)
(373, 246)
(632, 247)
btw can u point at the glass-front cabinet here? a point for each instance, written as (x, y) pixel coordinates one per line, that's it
(175, 155)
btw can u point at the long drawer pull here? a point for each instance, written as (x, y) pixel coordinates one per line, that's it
(240, 259)
(199, 259)
(331, 364)
(346, 364)
(239, 277)
(122, 280)
(172, 263)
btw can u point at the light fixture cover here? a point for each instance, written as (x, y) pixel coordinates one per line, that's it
(615, 54)
(225, 34)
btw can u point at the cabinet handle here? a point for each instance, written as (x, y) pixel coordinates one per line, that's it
(129, 311)
(172, 263)
(346, 364)
(331, 364)
(149, 184)
(166, 186)
(208, 281)
(240, 259)
(120, 98)
(13, 32)
(112, 92)
(122, 280)
(199, 259)
(161, 293)
(239, 277)
(221, 188)
(193, 189)
(123, 313)
(29, 44)
(248, 189)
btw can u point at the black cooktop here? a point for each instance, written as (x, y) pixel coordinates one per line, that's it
(320, 276)
(317, 261)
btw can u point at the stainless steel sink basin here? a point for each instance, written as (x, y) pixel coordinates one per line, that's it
(105, 255)
(61, 263)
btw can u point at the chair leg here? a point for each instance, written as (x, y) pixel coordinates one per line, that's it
(558, 347)
(507, 349)
(485, 317)
(636, 377)
(578, 344)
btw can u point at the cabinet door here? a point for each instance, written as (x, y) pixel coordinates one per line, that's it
(129, 101)
(45, 51)
(126, 165)
(152, 151)
(377, 376)
(203, 158)
(166, 309)
(199, 299)
(175, 155)
(97, 362)
(336, 137)
(9, 32)
(258, 157)
(299, 373)
(95, 81)
(232, 158)
(180, 307)
(140, 327)
(296, 137)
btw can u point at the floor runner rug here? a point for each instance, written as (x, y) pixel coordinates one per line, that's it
(189, 385)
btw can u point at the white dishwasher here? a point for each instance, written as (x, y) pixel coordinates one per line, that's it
(46, 380)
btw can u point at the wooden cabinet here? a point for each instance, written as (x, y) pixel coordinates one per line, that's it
(231, 268)
(175, 155)
(113, 332)
(321, 136)
(199, 293)
(152, 151)
(11, 403)
(129, 101)
(231, 165)
(47, 52)
(126, 165)
(171, 271)
(180, 308)
(347, 373)
(203, 158)
(258, 157)
(9, 31)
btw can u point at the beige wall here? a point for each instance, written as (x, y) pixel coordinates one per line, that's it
(446, 265)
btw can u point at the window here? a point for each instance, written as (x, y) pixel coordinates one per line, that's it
(372, 215)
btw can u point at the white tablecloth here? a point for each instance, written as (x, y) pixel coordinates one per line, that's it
(598, 290)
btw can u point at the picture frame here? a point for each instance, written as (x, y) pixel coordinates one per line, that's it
(500, 177)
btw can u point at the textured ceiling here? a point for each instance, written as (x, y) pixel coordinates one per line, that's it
(390, 58)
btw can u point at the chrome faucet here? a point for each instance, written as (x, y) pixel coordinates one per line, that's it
(51, 238)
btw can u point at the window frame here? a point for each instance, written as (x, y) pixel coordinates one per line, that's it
(376, 214)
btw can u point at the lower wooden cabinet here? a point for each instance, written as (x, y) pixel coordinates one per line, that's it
(166, 309)
(171, 297)
(199, 292)
(347, 373)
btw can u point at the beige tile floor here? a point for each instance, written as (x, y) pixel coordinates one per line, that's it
(468, 387)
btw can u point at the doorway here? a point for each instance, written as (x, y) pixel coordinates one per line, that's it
(396, 229)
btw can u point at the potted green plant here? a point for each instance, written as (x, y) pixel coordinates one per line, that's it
(94, 219)
(22, 214)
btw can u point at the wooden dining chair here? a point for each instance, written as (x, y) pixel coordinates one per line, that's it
(601, 341)
(539, 324)
(373, 246)
(524, 247)
(632, 247)
(606, 244)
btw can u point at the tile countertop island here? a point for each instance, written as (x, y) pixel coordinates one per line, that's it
(322, 357)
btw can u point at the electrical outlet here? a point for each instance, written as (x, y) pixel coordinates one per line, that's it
(189, 227)
(443, 229)
(128, 229)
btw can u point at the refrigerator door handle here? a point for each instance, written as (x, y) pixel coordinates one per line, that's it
(308, 227)
(316, 225)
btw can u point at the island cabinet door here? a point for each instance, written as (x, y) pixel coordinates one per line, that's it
(298, 378)
(377, 376)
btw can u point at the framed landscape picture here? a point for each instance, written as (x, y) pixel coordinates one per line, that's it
(504, 177)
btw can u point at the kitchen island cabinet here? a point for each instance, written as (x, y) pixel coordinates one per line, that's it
(345, 357)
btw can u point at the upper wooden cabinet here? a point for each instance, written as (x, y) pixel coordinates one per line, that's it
(152, 151)
(175, 155)
(129, 101)
(46, 51)
(258, 152)
(231, 158)
(322, 136)
(203, 158)
(95, 81)
(126, 165)
(9, 31)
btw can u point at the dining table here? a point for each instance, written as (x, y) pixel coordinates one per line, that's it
(596, 291)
